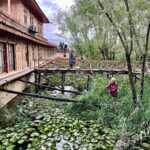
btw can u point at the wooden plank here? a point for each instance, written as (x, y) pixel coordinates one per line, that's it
(73, 70)
(14, 76)
(48, 87)
(38, 96)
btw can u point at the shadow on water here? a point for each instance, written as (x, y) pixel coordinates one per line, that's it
(18, 99)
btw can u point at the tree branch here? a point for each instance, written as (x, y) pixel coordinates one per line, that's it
(132, 28)
(130, 25)
(114, 25)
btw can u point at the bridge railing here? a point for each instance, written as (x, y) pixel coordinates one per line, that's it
(98, 64)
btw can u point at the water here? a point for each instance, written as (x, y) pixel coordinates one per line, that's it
(67, 94)
(17, 100)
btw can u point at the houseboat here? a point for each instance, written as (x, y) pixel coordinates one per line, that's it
(22, 45)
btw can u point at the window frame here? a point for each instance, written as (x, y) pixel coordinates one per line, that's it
(5, 63)
(31, 19)
(25, 19)
(11, 54)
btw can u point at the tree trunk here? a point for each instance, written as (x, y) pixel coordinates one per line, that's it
(143, 63)
(131, 79)
(127, 52)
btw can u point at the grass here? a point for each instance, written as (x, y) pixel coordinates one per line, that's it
(116, 114)
(98, 105)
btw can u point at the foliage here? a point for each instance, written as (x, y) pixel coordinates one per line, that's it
(21, 113)
(48, 127)
(78, 81)
(107, 111)
(98, 120)
(92, 32)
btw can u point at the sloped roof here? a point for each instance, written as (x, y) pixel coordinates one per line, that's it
(36, 10)
(53, 44)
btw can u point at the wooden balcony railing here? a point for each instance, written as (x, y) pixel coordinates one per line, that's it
(15, 24)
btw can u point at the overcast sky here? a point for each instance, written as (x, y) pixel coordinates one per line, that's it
(49, 7)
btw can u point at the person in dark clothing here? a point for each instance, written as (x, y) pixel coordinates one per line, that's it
(65, 49)
(71, 58)
(113, 87)
(61, 46)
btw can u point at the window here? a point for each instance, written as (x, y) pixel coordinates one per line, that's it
(31, 19)
(25, 17)
(27, 54)
(3, 58)
(11, 57)
(7, 57)
(1, 5)
(40, 27)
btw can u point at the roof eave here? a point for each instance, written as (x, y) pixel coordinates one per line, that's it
(32, 4)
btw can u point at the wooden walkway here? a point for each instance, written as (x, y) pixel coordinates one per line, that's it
(61, 64)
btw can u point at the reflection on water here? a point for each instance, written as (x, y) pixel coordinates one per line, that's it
(67, 94)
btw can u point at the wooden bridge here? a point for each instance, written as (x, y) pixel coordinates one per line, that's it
(61, 64)
(89, 66)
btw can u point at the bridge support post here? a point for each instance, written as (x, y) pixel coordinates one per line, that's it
(89, 82)
(63, 82)
(109, 75)
(89, 79)
(37, 80)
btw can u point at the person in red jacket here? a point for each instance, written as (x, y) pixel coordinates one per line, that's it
(113, 87)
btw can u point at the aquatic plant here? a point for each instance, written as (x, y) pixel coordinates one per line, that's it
(52, 128)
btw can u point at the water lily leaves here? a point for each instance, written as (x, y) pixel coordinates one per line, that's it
(3, 131)
(44, 137)
(94, 140)
(13, 140)
(50, 134)
(2, 137)
(54, 129)
(35, 134)
(40, 117)
(11, 147)
(21, 141)
(10, 134)
(146, 145)
(30, 130)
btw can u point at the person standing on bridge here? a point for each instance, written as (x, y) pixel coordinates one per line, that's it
(65, 49)
(113, 87)
(71, 58)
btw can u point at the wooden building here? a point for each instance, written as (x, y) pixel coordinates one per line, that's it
(22, 45)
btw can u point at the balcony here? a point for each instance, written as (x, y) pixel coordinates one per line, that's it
(13, 25)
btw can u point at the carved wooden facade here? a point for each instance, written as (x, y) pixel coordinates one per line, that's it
(22, 45)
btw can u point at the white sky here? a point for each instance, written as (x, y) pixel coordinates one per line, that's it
(50, 7)
(63, 3)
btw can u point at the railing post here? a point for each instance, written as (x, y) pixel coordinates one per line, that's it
(37, 80)
(89, 79)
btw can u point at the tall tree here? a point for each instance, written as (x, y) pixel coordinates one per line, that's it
(144, 61)
(127, 50)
